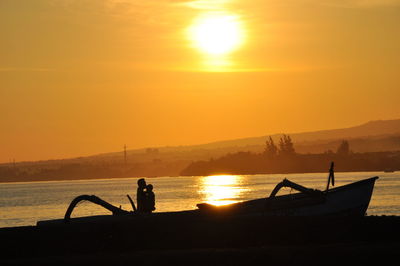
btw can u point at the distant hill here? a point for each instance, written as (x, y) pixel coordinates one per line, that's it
(372, 128)
(379, 135)
(374, 136)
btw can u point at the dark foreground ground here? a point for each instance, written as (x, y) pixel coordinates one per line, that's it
(208, 241)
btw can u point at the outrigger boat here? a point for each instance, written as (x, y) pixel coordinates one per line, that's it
(295, 227)
(348, 200)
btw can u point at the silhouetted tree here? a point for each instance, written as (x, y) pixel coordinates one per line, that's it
(344, 148)
(270, 149)
(286, 145)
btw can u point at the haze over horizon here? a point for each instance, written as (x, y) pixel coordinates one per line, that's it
(85, 77)
(203, 145)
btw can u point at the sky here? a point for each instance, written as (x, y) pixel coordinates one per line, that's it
(81, 77)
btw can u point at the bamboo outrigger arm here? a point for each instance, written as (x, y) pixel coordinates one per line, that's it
(287, 183)
(96, 200)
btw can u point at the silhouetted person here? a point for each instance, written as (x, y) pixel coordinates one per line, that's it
(150, 199)
(141, 195)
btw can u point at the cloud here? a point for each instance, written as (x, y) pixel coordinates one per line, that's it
(138, 11)
(205, 4)
(361, 3)
(24, 69)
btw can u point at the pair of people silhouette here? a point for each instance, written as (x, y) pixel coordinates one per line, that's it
(145, 197)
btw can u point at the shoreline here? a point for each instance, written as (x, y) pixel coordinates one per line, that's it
(327, 254)
(215, 241)
(132, 177)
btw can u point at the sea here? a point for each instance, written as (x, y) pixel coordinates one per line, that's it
(23, 204)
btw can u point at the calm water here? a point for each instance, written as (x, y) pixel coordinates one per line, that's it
(27, 203)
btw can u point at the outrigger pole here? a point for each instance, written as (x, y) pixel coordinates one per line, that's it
(331, 177)
(96, 200)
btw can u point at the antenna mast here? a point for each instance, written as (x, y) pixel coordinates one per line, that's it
(125, 154)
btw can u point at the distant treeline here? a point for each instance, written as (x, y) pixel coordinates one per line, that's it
(273, 158)
(282, 158)
(89, 170)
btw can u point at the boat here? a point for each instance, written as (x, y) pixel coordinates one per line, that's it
(347, 200)
(388, 170)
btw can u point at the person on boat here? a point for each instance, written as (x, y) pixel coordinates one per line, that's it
(150, 199)
(141, 195)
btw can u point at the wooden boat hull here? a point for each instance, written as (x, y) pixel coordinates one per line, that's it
(348, 200)
(351, 199)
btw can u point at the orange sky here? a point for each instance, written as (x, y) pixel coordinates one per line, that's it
(80, 77)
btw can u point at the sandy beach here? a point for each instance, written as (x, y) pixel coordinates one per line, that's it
(224, 241)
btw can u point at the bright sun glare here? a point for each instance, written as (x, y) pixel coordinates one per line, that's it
(216, 34)
(221, 189)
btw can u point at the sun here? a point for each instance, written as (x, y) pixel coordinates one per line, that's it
(216, 34)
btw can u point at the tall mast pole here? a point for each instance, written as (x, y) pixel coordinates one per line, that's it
(125, 154)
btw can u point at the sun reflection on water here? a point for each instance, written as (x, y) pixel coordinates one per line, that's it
(221, 189)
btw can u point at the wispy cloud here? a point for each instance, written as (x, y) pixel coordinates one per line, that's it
(141, 12)
(258, 69)
(24, 69)
(361, 3)
(205, 4)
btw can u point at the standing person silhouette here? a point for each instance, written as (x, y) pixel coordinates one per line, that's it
(141, 195)
(150, 199)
